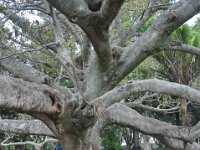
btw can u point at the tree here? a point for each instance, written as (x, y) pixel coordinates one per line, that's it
(75, 116)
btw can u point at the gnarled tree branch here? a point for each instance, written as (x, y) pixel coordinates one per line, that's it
(125, 116)
(26, 72)
(34, 127)
(156, 36)
(29, 97)
(151, 85)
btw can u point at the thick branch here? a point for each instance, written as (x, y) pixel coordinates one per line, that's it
(184, 48)
(122, 115)
(99, 38)
(21, 70)
(29, 97)
(95, 24)
(34, 127)
(178, 144)
(152, 85)
(154, 38)
(75, 10)
(125, 116)
(107, 13)
(97, 30)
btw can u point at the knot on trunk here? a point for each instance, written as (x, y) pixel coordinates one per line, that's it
(56, 102)
(79, 117)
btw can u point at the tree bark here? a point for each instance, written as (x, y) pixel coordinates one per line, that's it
(75, 142)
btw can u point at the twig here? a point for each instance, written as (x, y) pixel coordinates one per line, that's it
(32, 50)
(36, 145)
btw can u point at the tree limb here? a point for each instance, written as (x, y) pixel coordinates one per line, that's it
(150, 108)
(21, 70)
(183, 48)
(145, 16)
(125, 116)
(107, 13)
(29, 97)
(34, 127)
(36, 145)
(72, 29)
(75, 10)
(155, 37)
(151, 85)
(178, 144)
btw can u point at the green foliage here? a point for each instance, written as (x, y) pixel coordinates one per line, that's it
(111, 138)
(66, 83)
(148, 24)
(127, 24)
(8, 114)
(50, 146)
(178, 66)
(182, 34)
(143, 71)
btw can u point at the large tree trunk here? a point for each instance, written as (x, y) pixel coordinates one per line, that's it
(75, 142)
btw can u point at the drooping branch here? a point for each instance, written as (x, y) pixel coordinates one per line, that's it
(151, 85)
(34, 127)
(125, 116)
(26, 72)
(29, 97)
(48, 121)
(104, 120)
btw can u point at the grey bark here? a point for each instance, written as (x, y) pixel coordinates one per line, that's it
(74, 116)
